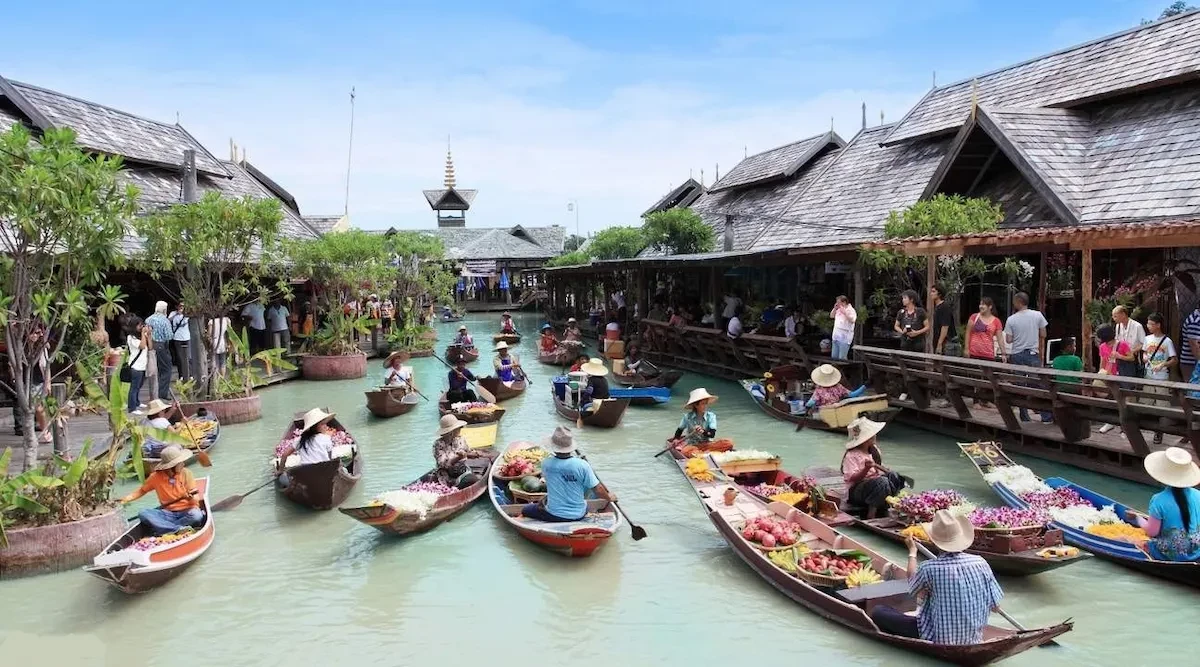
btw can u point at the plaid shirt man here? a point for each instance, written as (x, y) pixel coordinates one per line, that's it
(959, 591)
(160, 328)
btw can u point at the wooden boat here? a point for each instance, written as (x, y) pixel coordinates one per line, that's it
(849, 607)
(451, 318)
(1016, 564)
(456, 352)
(510, 338)
(835, 417)
(607, 416)
(135, 571)
(503, 391)
(577, 539)
(663, 379)
(391, 401)
(325, 485)
(827, 508)
(471, 417)
(560, 356)
(642, 395)
(391, 521)
(209, 442)
(988, 455)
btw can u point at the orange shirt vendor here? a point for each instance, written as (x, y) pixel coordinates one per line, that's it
(176, 490)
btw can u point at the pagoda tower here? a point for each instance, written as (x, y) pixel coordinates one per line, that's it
(449, 203)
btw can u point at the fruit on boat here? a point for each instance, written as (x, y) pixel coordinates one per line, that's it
(790, 498)
(533, 484)
(862, 576)
(153, 542)
(518, 468)
(917, 532)
(533, 455)
(697, 469)
(197, 429)
(772, 531)
(831, 564)
(785, 559)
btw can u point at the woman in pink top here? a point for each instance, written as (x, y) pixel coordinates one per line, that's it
(869, 483)
(1110, 348)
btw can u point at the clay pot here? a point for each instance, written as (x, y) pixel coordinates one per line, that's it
(62, 546)
(731, 495)
(317, 367)
(229, 410)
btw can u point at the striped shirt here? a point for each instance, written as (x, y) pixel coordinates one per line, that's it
(1191, 331)
(959, 591)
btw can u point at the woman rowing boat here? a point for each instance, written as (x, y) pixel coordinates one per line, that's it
(450, 453)
(395, 373)
(699, 424)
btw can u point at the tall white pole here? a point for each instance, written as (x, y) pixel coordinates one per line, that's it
(349, 152)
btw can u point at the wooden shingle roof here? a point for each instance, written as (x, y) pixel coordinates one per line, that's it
(776, 164)
(1158, 53)
(436, 197)
(681, 196)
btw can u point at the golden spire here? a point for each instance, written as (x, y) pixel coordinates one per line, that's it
(449, 182)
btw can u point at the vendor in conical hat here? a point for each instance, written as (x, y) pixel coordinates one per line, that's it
(828, 388)
(508, 366)
(699, 424)
(395, 373)
(506, 324)
(1174, 521)
(572, 332)
(597, 383)
(868, 482)
(176, 490)
(463, 339)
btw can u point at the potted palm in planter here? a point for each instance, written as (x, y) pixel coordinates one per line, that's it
(421, 274)
(233, 399)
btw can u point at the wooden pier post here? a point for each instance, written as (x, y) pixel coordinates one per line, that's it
(859, 296)
(1085, 296)
(930, 281)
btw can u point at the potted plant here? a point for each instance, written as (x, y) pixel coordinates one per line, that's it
(233, 399)
(1060, 275)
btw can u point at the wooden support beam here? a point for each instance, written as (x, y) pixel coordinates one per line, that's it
(1041, 293)
(912, 385)
(1085, 296)
(859, 299)
(930, 281)
(953, 392)
(1003, 405)
(1129, 420)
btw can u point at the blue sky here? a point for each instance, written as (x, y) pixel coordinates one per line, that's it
(608, 102)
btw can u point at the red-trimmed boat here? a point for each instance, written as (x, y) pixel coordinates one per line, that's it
(392, 521)
(577, 539)
(139, 570)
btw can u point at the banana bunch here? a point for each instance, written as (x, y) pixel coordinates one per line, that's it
(697, 469)
(534, 455)
(197, 429)
(862, 577)
(917, 532)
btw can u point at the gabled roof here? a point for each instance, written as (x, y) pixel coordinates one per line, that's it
(849, 200)
(681, 196)
(517, 242)
(107, 130)
(324, 224)
(777, 163)
(277, 189)
(449, 197)
(1159, 53)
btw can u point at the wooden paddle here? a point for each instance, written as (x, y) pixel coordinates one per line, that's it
(235, 500)
(201, 456)
(483, 393)
(1012, 621)
(670, 444)
(635, 531)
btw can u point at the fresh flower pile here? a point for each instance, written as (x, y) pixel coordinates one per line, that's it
(417, 498)
(767, 490)
(1008, 517)
(1060, 497)
(697, 469)
(1019, 479)
(1082, 516)
(742, 455)
(339, 438)
(431, 487)
(1118, 531)
(921, 506)
(153, 542)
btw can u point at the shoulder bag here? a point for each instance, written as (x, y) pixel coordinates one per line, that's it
(126, 373)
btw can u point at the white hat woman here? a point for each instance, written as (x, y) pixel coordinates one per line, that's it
(597, 383)
(1174, 520)
(450, 453)
(505, 364)
(862, 467)
(828, 388)
(699, 424)
(176, 491)
(395, 373)
(572, 332)
(315, 444)
(156, 413)
(463, 339)
(568, 480)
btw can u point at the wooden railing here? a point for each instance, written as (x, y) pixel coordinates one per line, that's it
(1133, 404)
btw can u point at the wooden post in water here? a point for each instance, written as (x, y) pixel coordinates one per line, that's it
(1085, 296)
(859, 288)
(930, 281)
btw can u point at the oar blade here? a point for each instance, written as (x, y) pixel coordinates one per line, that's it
(229, 503)
(637, 532)
(202, 457)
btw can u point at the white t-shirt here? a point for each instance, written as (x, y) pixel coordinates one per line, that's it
(278, 317)
(218, 328)
(1132, 332)
(619, 299)
(735, 327)
(179, 323)
(135, 345)
(405, 373)
(843, 324)
(731, 304)
(319, 450)
(255, 312)
(1162, 349)
(789, 326)
(160, 422)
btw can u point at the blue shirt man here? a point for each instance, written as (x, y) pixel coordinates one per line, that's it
(160, 328)
(568, 480)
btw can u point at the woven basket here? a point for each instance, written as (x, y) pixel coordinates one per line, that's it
(523, 496)
(820, 579)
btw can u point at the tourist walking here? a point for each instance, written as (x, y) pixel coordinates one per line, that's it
(1025, 332)
(254, 318)
(138, 350)
(912, 323)
(1189, 344)
(1158, 358)
(844, 318)
(1130, 331)
(218, 333)
(277, 321)
(161, 335)
(945, 326)
(181, 342)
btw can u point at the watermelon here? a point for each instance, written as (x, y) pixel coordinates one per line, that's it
(533, 484)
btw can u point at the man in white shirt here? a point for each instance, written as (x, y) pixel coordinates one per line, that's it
(732, 301)
(734, 328)
(254, 317)
(619, 301)
(277, 319)
(181, 341)
(789, 325)
(1132, 332)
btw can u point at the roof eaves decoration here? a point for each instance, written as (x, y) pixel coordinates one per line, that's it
(777, 163)
(276, 189)
(1159, 53)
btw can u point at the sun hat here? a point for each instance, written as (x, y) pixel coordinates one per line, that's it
(506, 314)
(156, 406)
(561, 441)
(1173, 466)
(501, 346)
(861, 430)
(595, 367)
(462, 327)
(316, 416)
(449, 423)
(546, 326)
(171, 456)
(570, 320)
(826, 375)
(399, 354)
(699, 394)
(950, 532)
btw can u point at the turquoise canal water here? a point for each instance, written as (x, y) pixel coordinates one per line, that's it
(285, 586)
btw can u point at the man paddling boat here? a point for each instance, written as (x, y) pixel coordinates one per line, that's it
(506, 324)
(548, 342)
(177, 494)
(460, 391)
(572, 331)
(508, 367)
(568, 481)
(957, 591)
(463, 339)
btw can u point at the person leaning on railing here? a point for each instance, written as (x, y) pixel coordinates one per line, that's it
(1025, 330)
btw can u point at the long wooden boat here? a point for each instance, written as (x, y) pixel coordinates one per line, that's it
(456, 352)
(577, 539)
(451, 318)
(209, 441)
(848, 607)
(471, 417)
(510, 338)
(560, 356)
(666, 378)
(135, 571)
(835, 417)
(391, 401)
(827, 508)
(392, 521)
(324, 485)
(503, 391)
(1016, 564)
(987, 456)
(642, 395)
(607, 416)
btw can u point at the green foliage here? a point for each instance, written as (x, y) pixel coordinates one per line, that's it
(336, 336)
(573, 258)
(421, 272)
(617, 243)
(943, 215)
(111, 302)
(572, 243)
(411, 338)
(678, 231)
(241, 374)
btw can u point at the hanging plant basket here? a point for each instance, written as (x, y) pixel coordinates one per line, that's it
(1062, 294)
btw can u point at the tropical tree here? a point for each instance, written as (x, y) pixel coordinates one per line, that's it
(421, 275)
(678, 231)
(572, 258)
(62, 216)
(617, 243)
(216, 254)
(572, 243)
